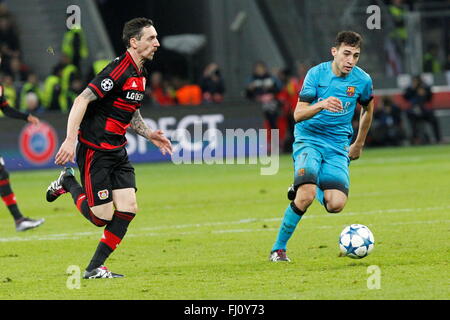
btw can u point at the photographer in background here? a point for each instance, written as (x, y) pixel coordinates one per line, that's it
(420, 112)
(212, 84)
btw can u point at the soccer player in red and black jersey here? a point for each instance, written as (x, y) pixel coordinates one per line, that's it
(8, 197)
(100, 117)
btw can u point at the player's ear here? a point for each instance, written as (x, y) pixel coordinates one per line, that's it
(334, 51)
(133, 43)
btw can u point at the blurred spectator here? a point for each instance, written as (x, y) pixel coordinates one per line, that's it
(263, 87)
(18, 70)
(3, 9)
(76, 87)
(9, 91)
(397, 11)
(74, 46)
(431, 61)
(419, 113)
(285, 97)
(97, 65)
(161, 92)
(68, 73)
(212, 84)
(261, 82)
(52, 90)
(288, 97)
(32, 104)
(31, 85)
(9, 39)
(396, 41)
(187, 94)
(387, 127)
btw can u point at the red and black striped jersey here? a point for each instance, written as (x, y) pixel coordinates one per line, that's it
(119, 88)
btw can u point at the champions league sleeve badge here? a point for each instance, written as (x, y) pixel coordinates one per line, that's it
(107, 84)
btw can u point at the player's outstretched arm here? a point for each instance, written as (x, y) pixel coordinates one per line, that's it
(13, 113)
(365, 121)
(66, 152)
(156, 137)
(16, 114)
(304, 110)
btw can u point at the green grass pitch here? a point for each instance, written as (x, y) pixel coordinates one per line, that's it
(205, 232)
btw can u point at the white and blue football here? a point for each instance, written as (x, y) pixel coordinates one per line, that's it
(356, 241)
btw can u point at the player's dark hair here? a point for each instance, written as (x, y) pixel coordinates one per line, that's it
(133, 29)
(350, 38)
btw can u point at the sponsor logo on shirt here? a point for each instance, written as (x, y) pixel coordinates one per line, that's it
(135, 96)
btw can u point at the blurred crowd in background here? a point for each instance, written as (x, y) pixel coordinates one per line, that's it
(434, 60)
(276, 90)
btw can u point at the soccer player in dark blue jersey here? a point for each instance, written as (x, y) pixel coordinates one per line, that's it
(323, 133)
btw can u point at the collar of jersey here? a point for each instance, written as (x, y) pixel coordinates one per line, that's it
(134, 64)
(330, 68)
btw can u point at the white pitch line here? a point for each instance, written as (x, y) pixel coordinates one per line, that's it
(203, 205)
(276, 229)
(363, 162)
(79, 235)
(331, 226)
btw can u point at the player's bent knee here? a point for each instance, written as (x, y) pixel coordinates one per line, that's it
(305, 196)
(133, 208)
(104, 211)
(335, 200)
(103, 215)
(303, 201)
(128, 207)
(125, 200)
(335, 207)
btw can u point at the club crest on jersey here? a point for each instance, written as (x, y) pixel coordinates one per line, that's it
(301, 172)
(107, 84)
(350, 91)
(103, 194)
